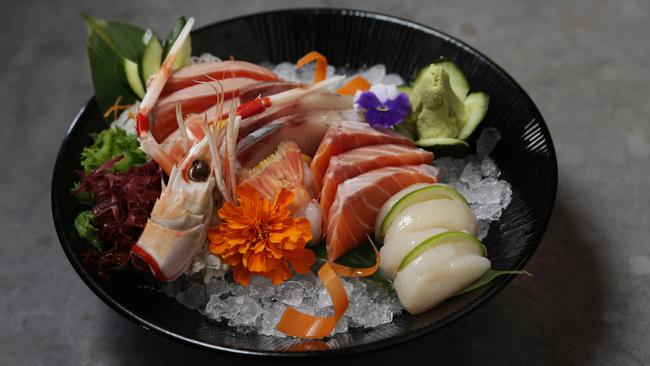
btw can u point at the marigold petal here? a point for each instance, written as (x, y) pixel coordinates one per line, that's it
(242, 275)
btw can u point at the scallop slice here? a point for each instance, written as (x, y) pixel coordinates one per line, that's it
(396, 247)
(388, 205)
(439, 213)
(439, 273)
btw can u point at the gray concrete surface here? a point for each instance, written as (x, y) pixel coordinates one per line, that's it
(585, 63)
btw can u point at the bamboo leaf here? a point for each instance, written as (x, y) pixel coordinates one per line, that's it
(488, 277)
(124, 39)
(109, 43)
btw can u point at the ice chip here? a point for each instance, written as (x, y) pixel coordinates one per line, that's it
(392, 79)
(290, 292)
(374, 74)
(483, 228)
(489, 168)
(471, 175)
(286, 71)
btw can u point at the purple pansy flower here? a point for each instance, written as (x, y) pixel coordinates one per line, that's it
(384, 105)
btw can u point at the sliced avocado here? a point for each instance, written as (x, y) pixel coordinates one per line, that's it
(438, 239)
(476, 105)
(184, 55)
(432, 192)
(151, 58)
(133, 77)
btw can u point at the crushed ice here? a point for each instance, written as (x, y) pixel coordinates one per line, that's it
(476, 177)
(259, 306)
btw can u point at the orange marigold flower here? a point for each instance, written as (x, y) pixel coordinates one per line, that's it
(259, 237)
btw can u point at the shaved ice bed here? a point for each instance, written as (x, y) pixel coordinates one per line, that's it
(373, 74)
(258, 307)
(476, 177)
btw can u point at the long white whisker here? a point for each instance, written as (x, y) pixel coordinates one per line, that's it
(181, 126)
(216, 162)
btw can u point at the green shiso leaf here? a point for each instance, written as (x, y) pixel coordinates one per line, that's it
(490, 276)
(110, 143)
(87, 231)
(109, 43)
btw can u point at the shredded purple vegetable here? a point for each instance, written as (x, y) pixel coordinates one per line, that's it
(123, 204)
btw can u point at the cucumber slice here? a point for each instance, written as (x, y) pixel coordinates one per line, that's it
(184, 55)
(441, 141)
(476, 105)
(457, 79)
(438, 239)
(151, 58)
(133, 77)
(432, 192)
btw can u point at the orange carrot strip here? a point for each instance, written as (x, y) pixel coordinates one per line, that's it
(356, 83)
(321, 64)
(299, 324)
(345, 271)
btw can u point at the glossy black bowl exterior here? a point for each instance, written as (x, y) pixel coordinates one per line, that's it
(355, 39)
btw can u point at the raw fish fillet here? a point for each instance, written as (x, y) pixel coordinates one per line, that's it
(363, 159)
(264, 89)
(358, 200)
(307, 105)
(194, 99)
(306, 130)
(189, 75)
(344, 136)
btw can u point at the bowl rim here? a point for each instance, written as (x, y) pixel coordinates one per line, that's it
(355, 349)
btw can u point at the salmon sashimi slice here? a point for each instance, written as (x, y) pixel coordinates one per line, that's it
(359, 199)
(209, 71)
(344, 136)
(194, 99)
(363, 159)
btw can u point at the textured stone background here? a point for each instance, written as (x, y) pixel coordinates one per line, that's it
(585, 63)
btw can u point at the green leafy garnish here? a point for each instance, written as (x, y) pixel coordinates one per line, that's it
(173, 34)
(110, 143)
(82, 197)
(87, 231)
(362, 256)
(488, 277)
(109, 43)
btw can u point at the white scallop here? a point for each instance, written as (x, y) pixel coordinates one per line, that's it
(391, 202)
(396, 247)
(439, 213)
(438, 274)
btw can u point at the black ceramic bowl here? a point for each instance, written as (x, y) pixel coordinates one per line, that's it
(355, 39)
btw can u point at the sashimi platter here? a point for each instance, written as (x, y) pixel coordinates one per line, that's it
(296, 199)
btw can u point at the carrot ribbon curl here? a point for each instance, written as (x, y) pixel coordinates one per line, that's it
(321, 64)
(298, 324)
